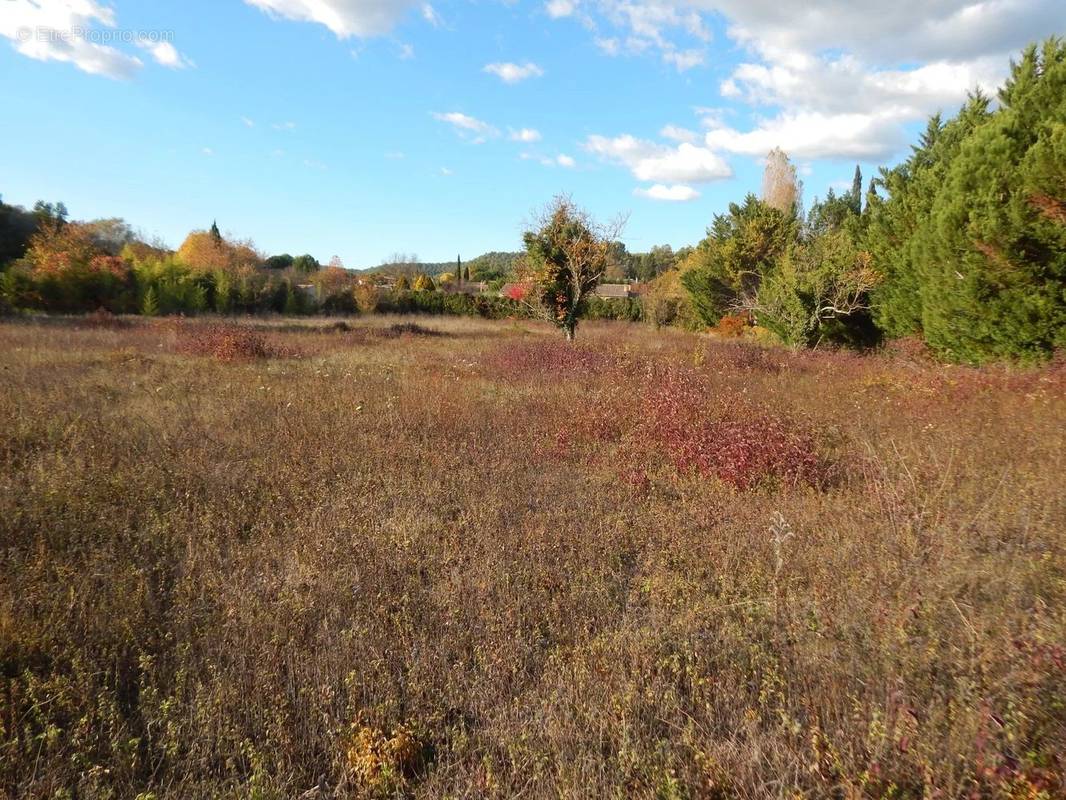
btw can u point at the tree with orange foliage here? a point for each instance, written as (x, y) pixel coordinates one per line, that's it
(73, 273)
(202, 251)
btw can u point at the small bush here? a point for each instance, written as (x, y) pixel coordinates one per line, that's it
(406, 329)
(225, 342)
(383, 766)
(733, 326)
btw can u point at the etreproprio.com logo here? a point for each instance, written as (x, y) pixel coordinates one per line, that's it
(101, 36)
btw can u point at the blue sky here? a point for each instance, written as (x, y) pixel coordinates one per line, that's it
(361, 128)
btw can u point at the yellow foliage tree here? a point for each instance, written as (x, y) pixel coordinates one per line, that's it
(201, 250)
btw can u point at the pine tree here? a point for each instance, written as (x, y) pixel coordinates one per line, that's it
(994, 249)
(895, 225)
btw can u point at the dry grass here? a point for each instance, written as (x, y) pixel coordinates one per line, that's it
(483, 564)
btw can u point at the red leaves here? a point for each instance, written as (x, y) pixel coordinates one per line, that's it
(225, 342)
(731, 439)
(642, 419)
(517, 291)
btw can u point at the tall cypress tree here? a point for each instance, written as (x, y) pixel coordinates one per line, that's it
(216, 234)
(855, 198)
(458, 271)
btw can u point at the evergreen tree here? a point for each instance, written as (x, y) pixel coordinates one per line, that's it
(994, 247)
(855, 197)
(293, 306)
(458, 271)
(216, 234)
(894, 224)
(740, 249)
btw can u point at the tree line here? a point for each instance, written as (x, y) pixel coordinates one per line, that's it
(963, 245)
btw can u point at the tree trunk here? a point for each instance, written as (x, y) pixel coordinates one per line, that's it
(570, 330)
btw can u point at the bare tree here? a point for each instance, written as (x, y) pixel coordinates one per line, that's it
(567, 254)
(781, 187)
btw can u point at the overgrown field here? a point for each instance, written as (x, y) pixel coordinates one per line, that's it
(374, 559)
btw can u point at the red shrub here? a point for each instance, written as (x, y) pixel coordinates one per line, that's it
(225, 342)
(737, 442)
(517, 291)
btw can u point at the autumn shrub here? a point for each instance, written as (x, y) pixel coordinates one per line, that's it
(384, 765)
(226, 342)
(367, 297)
(732, 326)
(728, 438)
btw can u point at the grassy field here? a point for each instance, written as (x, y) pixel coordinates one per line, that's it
(460, 558)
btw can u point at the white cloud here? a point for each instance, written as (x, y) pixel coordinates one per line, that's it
(561, 160)
(558, 9)
(864, 70)
(284, 126)
(395, 155)
(678, 134)
(648, 161)
(466, 125)
(684, 60)
(430, 15)
(346, 18)
(63, 30)
(165, 54)
(678, 193)
(527, 135)
(513, 73)
(207, 151)
(250, 123)
(447, 173)
(858, 136)
(902, 31)
(610, 46)
(407, 52)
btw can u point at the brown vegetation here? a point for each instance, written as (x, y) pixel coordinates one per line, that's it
(491, 564)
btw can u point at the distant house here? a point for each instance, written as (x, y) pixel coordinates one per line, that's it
(309, 290)
(616, 291)
(466, 287)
